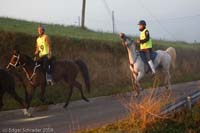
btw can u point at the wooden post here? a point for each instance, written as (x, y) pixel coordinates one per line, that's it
(83, 14)
(113, 21)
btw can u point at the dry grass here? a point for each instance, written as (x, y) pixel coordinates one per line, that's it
(146, 109)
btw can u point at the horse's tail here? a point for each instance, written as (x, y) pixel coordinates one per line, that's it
(172, 52)
(85, 73)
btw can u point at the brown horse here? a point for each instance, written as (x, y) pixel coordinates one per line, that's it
(7, 84)
(62, 71)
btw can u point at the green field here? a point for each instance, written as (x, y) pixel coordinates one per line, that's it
(14, 25)
(28, 27)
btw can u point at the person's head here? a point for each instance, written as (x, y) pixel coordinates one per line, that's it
(41, 30)
(141, 25)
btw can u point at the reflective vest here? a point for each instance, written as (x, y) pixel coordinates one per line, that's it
(43, 47)
(145, 45)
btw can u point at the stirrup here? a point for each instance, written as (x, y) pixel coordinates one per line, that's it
(49, 79)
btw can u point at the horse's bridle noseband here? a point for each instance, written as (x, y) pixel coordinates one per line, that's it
(29, 77)
(15, 64)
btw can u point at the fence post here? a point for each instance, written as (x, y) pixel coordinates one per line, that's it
(189, 104)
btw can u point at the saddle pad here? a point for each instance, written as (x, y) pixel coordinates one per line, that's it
(144, 59)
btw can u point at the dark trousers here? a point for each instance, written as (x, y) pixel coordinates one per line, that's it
(45, 62)
(147, 53)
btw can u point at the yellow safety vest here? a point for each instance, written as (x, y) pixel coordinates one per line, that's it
(147, 44)
(43, 47)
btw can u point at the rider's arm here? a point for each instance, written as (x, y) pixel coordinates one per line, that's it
(49, 44)
(36, 49)
(147, 37)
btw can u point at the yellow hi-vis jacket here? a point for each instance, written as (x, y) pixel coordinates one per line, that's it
(145, 45)
(42, 45)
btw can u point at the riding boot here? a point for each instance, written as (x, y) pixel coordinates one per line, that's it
(152, 66)
(49, 76)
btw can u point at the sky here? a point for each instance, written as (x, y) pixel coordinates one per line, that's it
(176, 20)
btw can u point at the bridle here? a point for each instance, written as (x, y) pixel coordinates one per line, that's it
(137, 53)
(14, 64)
(29, 77)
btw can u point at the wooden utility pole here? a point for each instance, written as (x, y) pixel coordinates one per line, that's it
(113, 21)
(83, 14)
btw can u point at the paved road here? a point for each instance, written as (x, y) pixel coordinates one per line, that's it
(79, 114)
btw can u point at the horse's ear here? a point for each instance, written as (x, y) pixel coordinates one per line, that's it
(15, 51)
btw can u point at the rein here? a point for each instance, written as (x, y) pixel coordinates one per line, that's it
(137, 55)
(30, 77)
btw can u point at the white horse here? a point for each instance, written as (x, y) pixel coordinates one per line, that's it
(163, 61)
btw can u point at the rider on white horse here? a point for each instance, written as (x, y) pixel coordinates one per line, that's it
(145, 43)
(163, 61)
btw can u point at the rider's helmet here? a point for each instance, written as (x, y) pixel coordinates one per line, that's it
(142, 22)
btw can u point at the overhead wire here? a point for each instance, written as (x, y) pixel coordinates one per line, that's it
(156, 19)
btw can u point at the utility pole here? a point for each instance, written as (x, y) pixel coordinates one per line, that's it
(113, 21)
(83, 14)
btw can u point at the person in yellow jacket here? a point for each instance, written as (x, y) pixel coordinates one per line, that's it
(145, 43)
(43, 50)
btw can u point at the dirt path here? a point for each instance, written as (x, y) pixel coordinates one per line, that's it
(79, 114)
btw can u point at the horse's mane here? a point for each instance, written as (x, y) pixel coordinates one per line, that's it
(28, 59)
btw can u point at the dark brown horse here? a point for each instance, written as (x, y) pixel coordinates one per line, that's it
(7, 84)
(62, 71)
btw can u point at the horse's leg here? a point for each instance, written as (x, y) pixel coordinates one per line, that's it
(29, 94)
(1, 99)
(137, 81)
(26, 96)
(42, 93)
(167, 80)
(79, 86)
(17, 98)
(69, 95)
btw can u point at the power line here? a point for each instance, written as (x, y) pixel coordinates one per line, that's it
(184, 17)
(152, 15)
(179, 18)
(107, 8)
(111, 13)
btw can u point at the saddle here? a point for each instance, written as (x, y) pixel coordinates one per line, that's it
(153, 55)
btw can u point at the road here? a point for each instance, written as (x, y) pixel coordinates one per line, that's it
(79, 114)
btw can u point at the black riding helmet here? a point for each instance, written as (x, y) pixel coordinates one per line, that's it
(142, 22)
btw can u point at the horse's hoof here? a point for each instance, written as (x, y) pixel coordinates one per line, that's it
(65, 106)
(87, 100)
(28, 115)
(136, 94)
(141, 89)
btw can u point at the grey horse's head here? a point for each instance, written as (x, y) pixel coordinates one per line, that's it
(126, 41)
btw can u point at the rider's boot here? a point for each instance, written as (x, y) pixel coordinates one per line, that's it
(49, 76)
(152, 67)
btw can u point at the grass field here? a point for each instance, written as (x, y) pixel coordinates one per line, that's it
(14, 25)
(102, 52)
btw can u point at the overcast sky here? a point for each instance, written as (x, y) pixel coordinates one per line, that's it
(166, 19)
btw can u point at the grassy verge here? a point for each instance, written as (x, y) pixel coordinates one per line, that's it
(184, 121)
